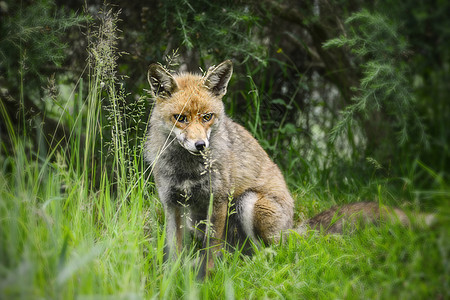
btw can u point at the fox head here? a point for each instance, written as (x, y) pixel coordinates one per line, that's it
(189, 106)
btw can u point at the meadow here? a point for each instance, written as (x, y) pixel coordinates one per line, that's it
(61, 240)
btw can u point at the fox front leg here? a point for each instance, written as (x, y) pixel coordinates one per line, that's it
(214, 237)
(173, 231)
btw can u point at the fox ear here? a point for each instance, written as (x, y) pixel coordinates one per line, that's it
(218, 77)
(162, 83)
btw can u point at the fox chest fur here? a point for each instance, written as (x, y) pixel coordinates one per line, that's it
(184, 178)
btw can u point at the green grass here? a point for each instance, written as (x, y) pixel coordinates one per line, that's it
(70, 243)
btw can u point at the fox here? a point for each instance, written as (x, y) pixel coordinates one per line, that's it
(203, 163)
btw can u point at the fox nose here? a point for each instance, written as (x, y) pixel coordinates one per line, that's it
(200, 145)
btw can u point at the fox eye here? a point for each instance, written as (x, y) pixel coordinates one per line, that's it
(207, 117)
(180, 118)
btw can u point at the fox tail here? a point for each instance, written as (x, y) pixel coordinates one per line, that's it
(338, 219)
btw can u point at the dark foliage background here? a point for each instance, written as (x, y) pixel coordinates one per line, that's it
(338, 92)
